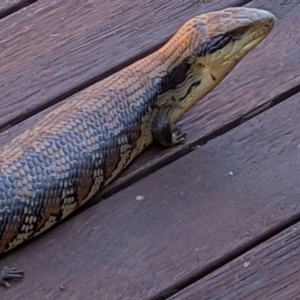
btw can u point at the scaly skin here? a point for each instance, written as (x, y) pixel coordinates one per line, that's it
(74, 152)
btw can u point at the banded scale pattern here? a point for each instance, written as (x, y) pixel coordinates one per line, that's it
(75, 152)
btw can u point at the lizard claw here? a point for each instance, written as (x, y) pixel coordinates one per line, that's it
(9, 273)
(178, 137)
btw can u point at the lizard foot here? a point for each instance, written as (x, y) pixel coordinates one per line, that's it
(9, 273)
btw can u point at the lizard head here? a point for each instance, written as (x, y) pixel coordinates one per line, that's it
(205, 50)
(221, 39)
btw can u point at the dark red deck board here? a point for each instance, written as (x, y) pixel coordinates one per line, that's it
(196, 211)
(51, 48)
(270, 271)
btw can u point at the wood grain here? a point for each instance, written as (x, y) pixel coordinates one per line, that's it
(196, 212)
(52, 49)
(270, 271)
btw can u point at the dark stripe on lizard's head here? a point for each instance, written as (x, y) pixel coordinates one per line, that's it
(219, 41)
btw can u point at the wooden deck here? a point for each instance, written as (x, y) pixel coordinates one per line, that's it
(220, 217)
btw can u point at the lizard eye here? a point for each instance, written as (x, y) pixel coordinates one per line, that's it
(238, 33)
